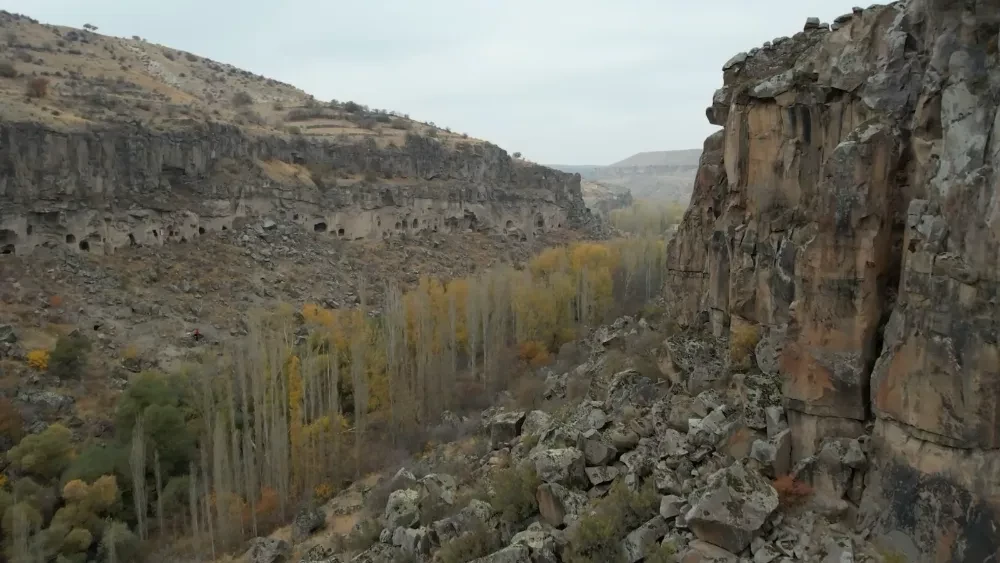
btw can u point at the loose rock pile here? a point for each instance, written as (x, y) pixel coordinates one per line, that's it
(718, 463)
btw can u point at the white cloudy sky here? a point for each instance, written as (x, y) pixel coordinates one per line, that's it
(563, 81)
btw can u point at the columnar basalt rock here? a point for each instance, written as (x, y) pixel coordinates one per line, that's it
(105, 187)
(852, 204)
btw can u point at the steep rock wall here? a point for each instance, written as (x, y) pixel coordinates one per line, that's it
(850, 207)
(101, 188)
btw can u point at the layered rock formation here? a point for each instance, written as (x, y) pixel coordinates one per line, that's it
(850, 208)
(104, 187)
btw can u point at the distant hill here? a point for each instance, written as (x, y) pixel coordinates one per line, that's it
(658, 175)
(660, 158)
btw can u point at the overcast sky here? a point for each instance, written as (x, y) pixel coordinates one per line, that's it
(563, 81)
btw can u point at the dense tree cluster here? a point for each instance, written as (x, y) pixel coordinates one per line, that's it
(231, 446)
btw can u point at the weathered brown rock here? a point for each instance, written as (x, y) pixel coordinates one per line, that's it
(852, 202)
(100, 188)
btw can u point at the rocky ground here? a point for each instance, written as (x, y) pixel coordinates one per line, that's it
(704, 443)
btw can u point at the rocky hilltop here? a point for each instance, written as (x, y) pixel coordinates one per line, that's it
(658, 175)
(850, 212)
(108, 142)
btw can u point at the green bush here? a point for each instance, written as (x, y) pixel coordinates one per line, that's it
(514, 493)
(162, 401)
(69, 357)
(97, 460)
(598, 534)
(476, 543)
(44, 455)
(20, 518)
(666, 552)
(241, 99)
(7, 70)
(118, 543)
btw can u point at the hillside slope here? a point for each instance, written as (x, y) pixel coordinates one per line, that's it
(144, 144)
(659, 175)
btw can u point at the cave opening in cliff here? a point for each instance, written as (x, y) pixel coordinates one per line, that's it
(30, 230)
(509, 225)
(416, 223)
(131, 240)
(84, 245)
(70, 239)
(295, 217)
(201, 230)
(340, 232)
(540, 222)
(7, 249)
(156, 234)
(319, 227)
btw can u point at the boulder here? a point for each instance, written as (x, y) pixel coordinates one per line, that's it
(402, 509)
(535, 423)
(565, 466)
(670, 506)
(601, 475)
(597, 453)
(438, 488)
(319, 553)
(414, 541)
(476, 513)
(703, 552)
(709, 430)
(504, 427)
(733, 508)
(518, 553)
(403, 479)
(638, 543)
(775, 420)
(7, 334)
(774, 455)
(642, 459)
(268, 550)
(307, 520)
(559, 505)
(623, 439)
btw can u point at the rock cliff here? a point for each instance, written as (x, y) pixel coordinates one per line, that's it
(850, 211)
(104, 187)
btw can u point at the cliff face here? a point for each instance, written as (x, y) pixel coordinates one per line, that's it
(851, 209)
(109, 186)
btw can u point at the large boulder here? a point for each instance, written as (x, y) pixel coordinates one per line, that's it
(733, 508)
(504, 427)
(268, 550)
(704, 552)
(638, 543)
(559, 505)
(535, 423)
(597, 453)
(518, 553)
(402, 509)
(437, 488)
(307, 520)
(565, 466)
(414, 541)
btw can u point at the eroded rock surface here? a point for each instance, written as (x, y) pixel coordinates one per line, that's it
(850, 211)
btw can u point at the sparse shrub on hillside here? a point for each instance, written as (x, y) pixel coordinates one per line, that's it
(432, 133)
(191, 57)
(11, 38)
(517, 155)
(743, 339)
(242, 99)
(666, 552)
(69, 357)
(514, 493)
(370, 176)
(401, 124)
(251, 117)
(38, 359)
(293, 130)
(38, 87)
(11, 422)
(596, 538)
(352, 107)
(383, 118)
(169, 55)
(478, 542)
(7, 70)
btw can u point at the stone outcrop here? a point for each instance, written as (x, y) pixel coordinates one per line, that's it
(850, 210)
(109, 186)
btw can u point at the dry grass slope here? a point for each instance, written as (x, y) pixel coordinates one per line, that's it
(67, 78)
